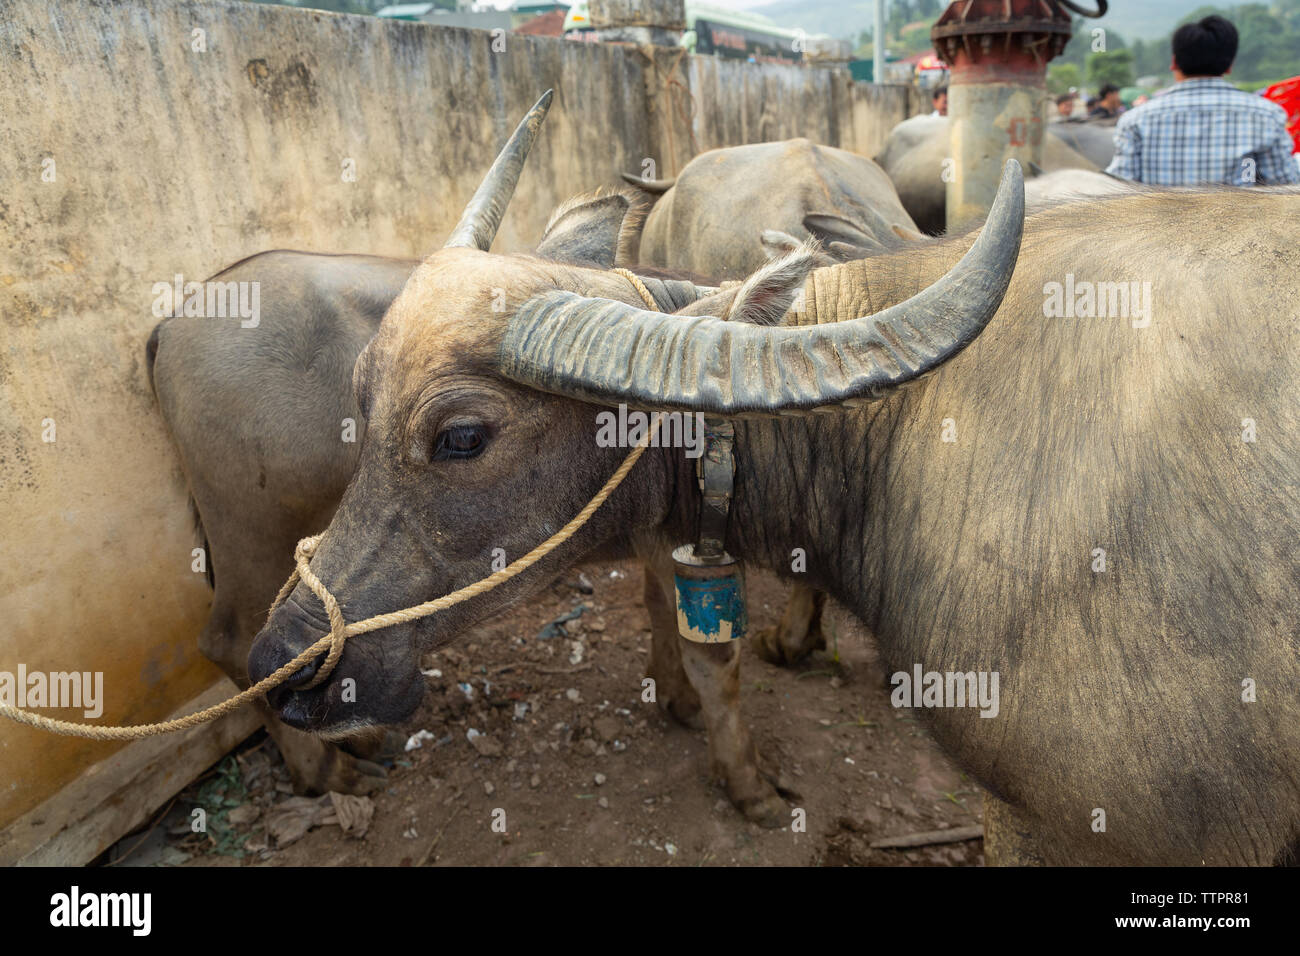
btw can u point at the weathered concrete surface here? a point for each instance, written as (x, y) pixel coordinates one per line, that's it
(171, 159)
(716, 103)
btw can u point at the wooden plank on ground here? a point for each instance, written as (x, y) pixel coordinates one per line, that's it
(118, 794)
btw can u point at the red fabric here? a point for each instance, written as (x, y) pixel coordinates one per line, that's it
(1287, 95)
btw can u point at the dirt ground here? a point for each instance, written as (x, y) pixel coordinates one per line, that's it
(549, 737)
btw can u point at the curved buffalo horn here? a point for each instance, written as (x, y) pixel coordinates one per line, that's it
(656, 186)
(482, 217)
(607, 352)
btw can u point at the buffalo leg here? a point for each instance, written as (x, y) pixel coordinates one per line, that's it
(798, 633)
(673, 690)
(703, 680)
(714, 669)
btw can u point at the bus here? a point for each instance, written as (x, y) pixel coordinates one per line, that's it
(725, 33)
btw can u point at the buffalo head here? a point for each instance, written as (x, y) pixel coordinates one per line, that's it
(482, 428)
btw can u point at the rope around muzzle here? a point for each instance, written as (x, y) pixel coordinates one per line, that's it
(332, 643)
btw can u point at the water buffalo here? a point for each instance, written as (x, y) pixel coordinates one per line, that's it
(914, 155)
(1102, 511)
(268, 431)
(1092, 139)
(268, 434)
(711, 218)
(1070, 185)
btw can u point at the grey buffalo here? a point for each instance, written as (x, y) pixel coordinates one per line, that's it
(712, 218)
(1092, 139)
(1092, 508)
(1073, 185)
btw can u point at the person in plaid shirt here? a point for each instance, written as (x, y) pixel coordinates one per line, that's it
(1204, 129)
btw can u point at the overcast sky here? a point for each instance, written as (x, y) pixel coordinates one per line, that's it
(727, 4)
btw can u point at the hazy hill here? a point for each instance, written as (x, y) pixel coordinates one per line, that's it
(1132, 19)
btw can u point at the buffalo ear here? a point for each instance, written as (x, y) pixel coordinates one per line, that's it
(766, 296)
(832, 228)
(601, 229)
(776, 243)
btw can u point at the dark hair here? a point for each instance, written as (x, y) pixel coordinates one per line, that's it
(1206, 48)
(1065, 98)
(1090, 102)
(1106, 90)
(939, 91)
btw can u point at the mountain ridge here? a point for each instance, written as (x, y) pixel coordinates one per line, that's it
(1145, 20)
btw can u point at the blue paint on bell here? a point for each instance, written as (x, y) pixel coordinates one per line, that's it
(710, 597)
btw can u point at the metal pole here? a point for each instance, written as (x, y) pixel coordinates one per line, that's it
(878, 45)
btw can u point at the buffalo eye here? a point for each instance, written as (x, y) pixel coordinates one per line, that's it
(459, 442)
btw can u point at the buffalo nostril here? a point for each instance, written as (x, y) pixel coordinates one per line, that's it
(272, 652)
(305, 673)
(278, 696)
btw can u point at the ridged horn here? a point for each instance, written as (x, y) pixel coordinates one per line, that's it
(608, 352)
(482, 217)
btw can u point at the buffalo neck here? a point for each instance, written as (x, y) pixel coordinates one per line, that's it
(821, 482)
(804, 495)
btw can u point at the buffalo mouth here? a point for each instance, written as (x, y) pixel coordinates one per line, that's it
(313, 710)
(364, 690)
(307, 710)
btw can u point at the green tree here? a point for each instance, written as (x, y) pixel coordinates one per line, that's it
(1266, 49)
(1288, 11)
(1082, 42)
(1061, 77)
(1151, 57)
(1115, 66)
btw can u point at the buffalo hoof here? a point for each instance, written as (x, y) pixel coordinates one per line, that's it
(769, 811)
(317, 766)
(354, 775)
(775, 645)
(798, 633)
(759, 792)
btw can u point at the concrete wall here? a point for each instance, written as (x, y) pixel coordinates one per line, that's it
(738, 102)
(171, 159)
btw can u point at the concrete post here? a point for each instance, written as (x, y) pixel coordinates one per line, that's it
(997, 95)
(660, 22)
